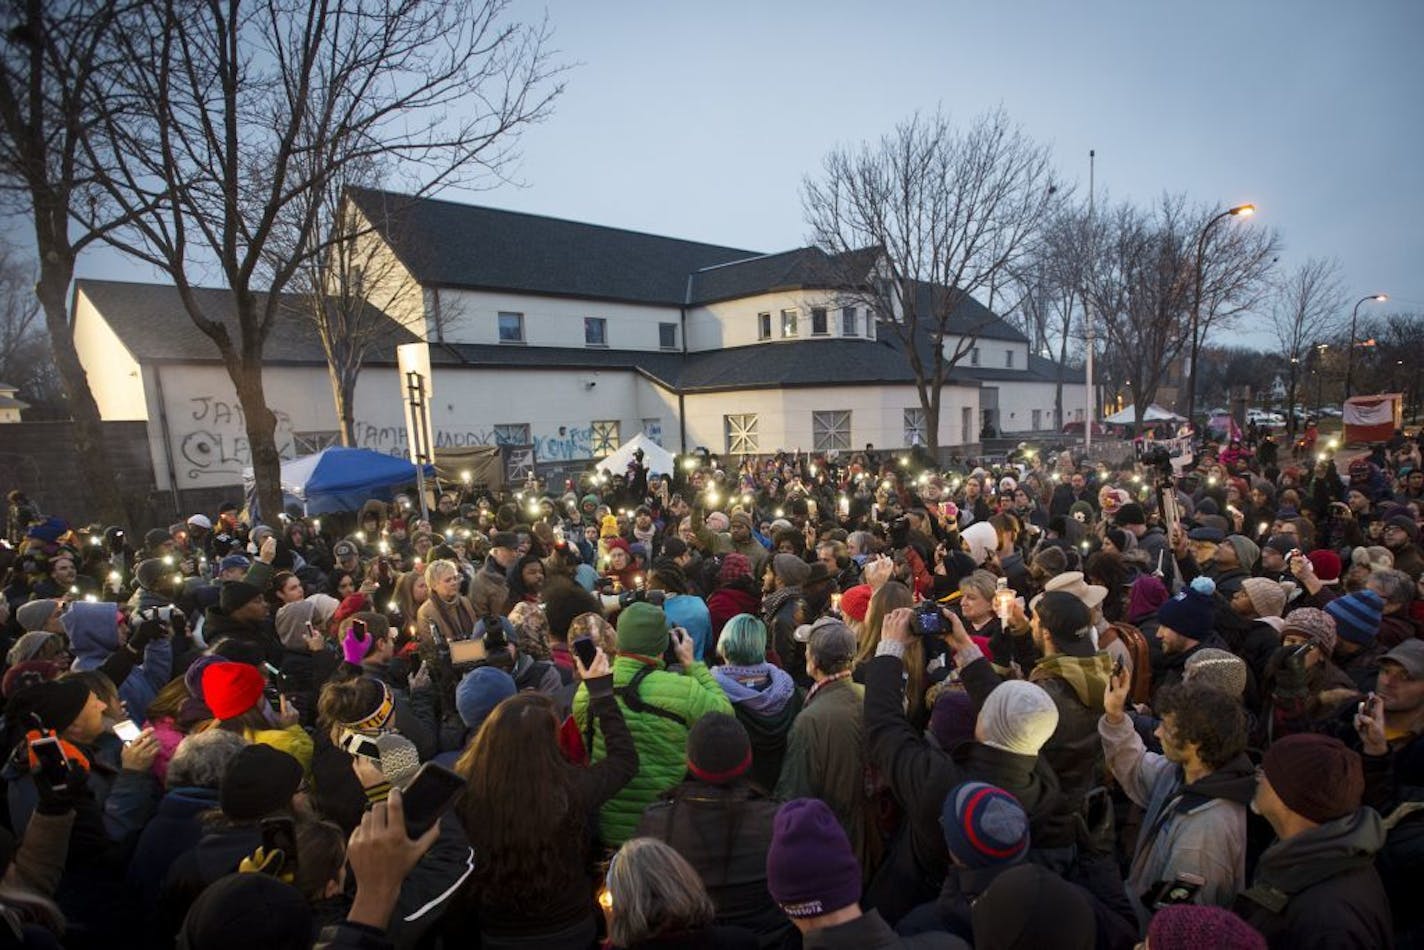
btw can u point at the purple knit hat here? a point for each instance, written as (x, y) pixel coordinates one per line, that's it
(1147, 594)
(1191, 927)
(193, 677)
(952, 719)
(810, 868)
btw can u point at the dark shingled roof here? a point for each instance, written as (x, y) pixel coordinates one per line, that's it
(790, 270)
(455, 245)
(152, 322)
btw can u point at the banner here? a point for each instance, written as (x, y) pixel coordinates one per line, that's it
(1372, 418)
(1373, 412)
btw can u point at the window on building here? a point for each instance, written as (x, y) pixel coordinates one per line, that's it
(848, 321)
(830, 430)
(667, 336)
(788, 324)
(915, 427)
(512, 433)
(974, 356)
(818, 322)
(511, 327)
(595, 331)
(653, 429)
(741, 432)
(604, 437)
(869, 325)
(764, 326)
(310, 443)
(1009, 358)
(1037, 419)
(966, 425)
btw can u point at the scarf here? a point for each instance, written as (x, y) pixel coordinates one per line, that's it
(763, 688)
(452, 616)
(818, 686)
(646, 537)
(777, 599)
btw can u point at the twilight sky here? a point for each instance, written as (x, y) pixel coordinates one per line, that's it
(698, 120)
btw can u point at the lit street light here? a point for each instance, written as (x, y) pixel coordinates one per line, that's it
(1350, 356)
(1244, 211)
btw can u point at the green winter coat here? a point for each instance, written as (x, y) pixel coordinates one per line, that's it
(661, 742)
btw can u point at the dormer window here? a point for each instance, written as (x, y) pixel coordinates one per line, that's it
(848, 321)
(819, 325)
(764, 326)
(788, 324)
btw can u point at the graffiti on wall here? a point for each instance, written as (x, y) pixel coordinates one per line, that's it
(569, 443)
(218, 445)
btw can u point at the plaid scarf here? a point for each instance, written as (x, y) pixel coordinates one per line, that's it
(777, 599)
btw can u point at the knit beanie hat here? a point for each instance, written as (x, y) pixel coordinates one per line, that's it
(718, 749)
(1147, 595)
(1082, 508)
(1191, 611)
(1315, 776)
(482, 689)
(608, 528)
(399, 758)
(1130, 513)
(1219, 669)
(150, 572)
(642, 629)
(984, 826)
(734, 565)
(34, 615)
(247, 910)
(29, 645)
(1247, 553)
(1410, 526)
(231, 689)
(1326, 564)
(258, 781)
(193, 676)
(1315, 625)
(29, 673)
(1017, 717)
(810, 868)
(790, 569)
(855, 602)
(741, 517)
(1195, 926)
(324, 608)
(1029, 907)
(1357, 615)
(235, 594)
(1268, 597)
(57, 704)
(291, 623)
(952, 718)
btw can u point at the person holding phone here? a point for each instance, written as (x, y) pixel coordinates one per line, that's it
(526, 809)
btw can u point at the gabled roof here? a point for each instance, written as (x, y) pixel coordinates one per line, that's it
(446, 244)
(970, 317)
(801, 268)
(153, 324)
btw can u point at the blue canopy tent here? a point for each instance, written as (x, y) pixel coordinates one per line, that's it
(338, 479)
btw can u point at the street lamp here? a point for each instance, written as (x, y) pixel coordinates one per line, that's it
(1244, 211)
(1350, 356)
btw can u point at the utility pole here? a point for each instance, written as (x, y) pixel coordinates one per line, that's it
(1088, 315)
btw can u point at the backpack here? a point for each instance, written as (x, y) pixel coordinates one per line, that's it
(1140, 688)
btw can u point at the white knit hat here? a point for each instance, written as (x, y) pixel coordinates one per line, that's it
(1017, 717)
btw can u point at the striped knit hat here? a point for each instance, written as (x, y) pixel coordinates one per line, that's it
(984, 826)
(1357, 616)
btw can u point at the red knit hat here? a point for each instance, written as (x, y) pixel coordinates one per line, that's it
(855, 602)
(351, 605)
(231, 689)
(1326, 564)
(1317, 777)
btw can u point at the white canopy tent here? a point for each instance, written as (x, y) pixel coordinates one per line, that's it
(1153, 413)
(658, 459)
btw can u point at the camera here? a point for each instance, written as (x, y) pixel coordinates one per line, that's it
(641, 595)
(929, 622)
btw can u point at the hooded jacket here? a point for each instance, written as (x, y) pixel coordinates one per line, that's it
(94, 635)
(1076, 685)
(766, 701)
(661, 741)
(1196, 829)
(1320, 889)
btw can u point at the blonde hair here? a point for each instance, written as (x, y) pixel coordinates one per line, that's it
(890, 597)
(654, 891)
(435, 570)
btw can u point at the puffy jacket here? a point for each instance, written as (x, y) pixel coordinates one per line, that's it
(292, 740)
(94, 635)
(1076, 685)
(661, 741)
(174, 830)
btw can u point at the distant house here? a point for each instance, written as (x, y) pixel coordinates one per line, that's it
(569, 338)
(10, 407)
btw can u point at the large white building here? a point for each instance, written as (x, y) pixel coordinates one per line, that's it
(568, 337)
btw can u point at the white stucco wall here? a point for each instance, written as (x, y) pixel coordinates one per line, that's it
(784, 415)
(993, 354)
(473, 317)
(1017, 401)
(735, 322)
(113, 373)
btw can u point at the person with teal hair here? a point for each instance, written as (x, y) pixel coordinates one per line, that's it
(764, 697)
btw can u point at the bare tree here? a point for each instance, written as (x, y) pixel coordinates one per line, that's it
(242, 116)
(1305, 311)
(54, 61)
(19, 309)
(920, 222)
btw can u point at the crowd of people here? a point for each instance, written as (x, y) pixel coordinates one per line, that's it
(859, 701)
